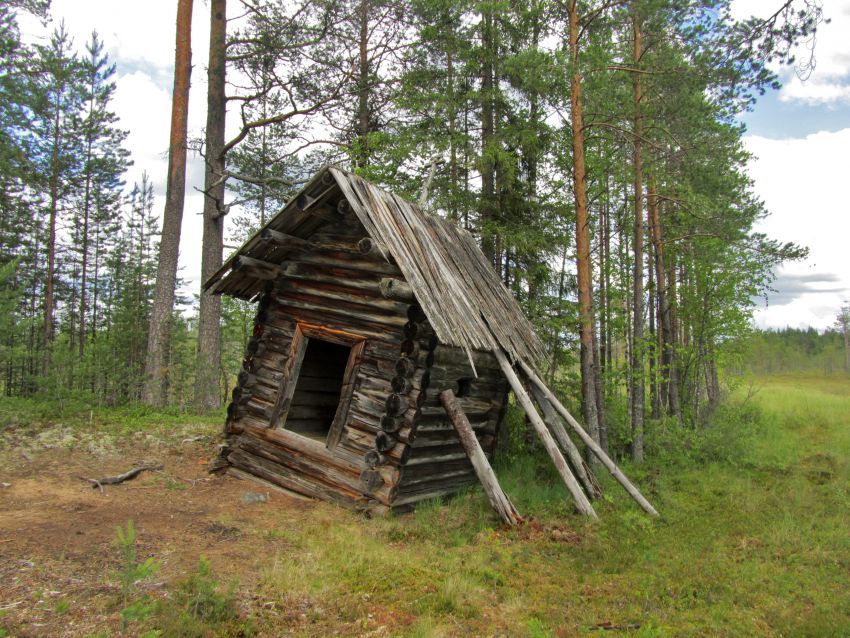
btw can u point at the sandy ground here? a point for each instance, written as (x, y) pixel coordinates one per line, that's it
(58, 558)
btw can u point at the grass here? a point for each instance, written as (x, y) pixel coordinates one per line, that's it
(754, 540)
(36, 422)
(754, 543)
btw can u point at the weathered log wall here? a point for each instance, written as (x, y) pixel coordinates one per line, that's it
(397, 446)
(438, 464)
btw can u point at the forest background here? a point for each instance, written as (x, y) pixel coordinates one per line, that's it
(594, 149)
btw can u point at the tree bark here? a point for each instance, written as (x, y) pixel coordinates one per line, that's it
(209, 327)
(637, 364)
(166, 273)
(583, 265)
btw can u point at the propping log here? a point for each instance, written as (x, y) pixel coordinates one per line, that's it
(498, 499)
(566, 443)
(588, 440)
(582, 503)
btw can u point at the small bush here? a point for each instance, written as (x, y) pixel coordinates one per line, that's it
(130, 573)
(723, 439)
(200, 607)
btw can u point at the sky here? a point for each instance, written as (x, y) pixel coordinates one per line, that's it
(799, 138)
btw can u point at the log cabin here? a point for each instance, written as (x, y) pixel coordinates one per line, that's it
(368, 308)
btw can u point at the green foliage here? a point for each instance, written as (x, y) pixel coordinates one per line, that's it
(792, 350)
(724, 438)
(199, 608)
(131, 571)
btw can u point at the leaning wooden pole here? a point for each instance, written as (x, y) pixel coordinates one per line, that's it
(558, 459)
(498, 499)
(550, 418)
(593, 445)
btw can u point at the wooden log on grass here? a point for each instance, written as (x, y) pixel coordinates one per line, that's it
(615, 471)
(498, 499)
(582, 503)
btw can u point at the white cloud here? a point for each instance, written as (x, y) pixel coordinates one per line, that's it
(815, 91)
(829, 82)
(145, 112)
(139, 39)
(802, 182)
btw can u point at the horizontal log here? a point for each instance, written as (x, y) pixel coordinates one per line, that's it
(384, 442)
(401, 385)
(405, 367)
(396, 404)
(458, 475)
(349, 262)
(310, 468)
(267, 235)
(256, 268)
(444, 485)
(363, 298)
(472, 407)
(321, 313)
(374, 458)
(397, 290)
(245, 379)
(391, 423)
(451, 356)
(372, 248)
(370, 480)
(288, 479)
(410, 348)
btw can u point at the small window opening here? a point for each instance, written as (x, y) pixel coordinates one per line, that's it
(317, 392)
(464, 387)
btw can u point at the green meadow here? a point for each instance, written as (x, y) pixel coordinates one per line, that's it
(754, 540)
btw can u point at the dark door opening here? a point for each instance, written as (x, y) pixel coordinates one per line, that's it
(317, 390)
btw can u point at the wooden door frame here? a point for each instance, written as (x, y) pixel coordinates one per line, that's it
(289, 380)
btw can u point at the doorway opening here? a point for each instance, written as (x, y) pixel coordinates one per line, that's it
(317, 391)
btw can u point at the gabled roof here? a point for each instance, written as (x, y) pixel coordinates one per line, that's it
(457, 288)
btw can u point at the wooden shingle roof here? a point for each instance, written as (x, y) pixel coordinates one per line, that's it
(459, 291)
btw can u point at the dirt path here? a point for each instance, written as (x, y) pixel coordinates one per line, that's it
(58, 559)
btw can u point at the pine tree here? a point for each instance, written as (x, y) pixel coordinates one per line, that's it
(104, 162)
(59, 102)
(207, 394)
(155, 371)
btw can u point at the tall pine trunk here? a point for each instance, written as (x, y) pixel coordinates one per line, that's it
(209, 317)
(669, 369)
(363, 124)
(49, 302)
(488, 166)
(638, 390)
(156, 371)
(583, 265)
